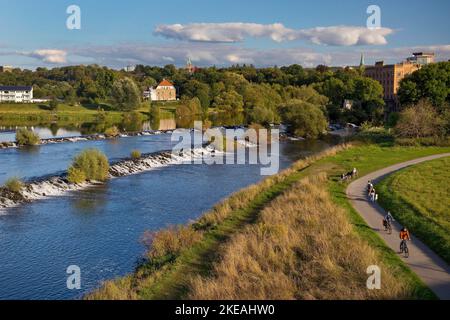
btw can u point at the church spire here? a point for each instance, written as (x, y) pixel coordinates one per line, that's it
(362, 62)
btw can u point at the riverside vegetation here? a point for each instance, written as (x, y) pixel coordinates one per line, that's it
(292, 236)
(26, 137)
(89, 165)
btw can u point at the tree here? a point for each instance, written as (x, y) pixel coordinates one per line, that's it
(432, 82)
(53, 105)
(303, 118)
(229, 101)
(126, 94)
(189, 107)
(419, 120)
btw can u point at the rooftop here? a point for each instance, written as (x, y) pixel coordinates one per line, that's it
(165, 83)
(16, 88)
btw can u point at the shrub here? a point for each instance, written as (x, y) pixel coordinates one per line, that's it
(92, 163)
(135, 154)
(76, 175)
(423, 142)
(26, 137)
(14, 184)
(419, 120)
(112, 132)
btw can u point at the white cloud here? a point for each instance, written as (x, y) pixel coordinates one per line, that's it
(224, 32)
(53, 56)
(238, 31)
(201, 54)
(345, 35)
(208, 54)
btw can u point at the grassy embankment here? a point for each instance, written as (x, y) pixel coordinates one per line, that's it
(33, 114)
(419, 197)
(293, 236)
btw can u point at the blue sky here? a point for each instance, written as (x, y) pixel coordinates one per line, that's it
(116, 33)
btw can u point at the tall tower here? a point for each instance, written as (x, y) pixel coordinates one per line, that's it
(189, 66)
(362, 63)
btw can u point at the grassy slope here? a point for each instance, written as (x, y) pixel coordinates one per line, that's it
(169, 280)
(419, 197)
(27, 111)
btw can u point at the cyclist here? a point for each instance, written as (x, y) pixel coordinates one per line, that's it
(388, 219)
(369, 187)
(404, 236)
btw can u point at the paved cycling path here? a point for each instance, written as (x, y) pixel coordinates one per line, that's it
(433, 271)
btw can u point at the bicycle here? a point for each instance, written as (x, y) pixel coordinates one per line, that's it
(404, 248)
(387, 227)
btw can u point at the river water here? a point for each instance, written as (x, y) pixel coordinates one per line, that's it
(99, 229)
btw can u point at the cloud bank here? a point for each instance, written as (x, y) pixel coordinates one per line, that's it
(238, 31)
(53, 56)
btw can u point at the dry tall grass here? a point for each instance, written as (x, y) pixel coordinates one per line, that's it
(167, 245)
(302, 247)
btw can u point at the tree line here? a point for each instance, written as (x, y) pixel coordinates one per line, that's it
(292, 94)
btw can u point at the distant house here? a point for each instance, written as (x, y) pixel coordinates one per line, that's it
(17, 94)
(129, 68)
(165, 91)
(348, 104)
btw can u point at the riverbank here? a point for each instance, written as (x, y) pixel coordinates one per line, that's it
(183, 262)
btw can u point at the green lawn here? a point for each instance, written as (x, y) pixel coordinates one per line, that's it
(369, 158)
(32, 114)
(419, 197)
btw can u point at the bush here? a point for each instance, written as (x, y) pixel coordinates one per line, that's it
(423, 142)
(419, 120)
(26, 137)
(92, 163)
(76, 175)
(112, 132)
(14, 184)
(370, 134)
(135, 154)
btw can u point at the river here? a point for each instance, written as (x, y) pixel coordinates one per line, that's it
(99, 229)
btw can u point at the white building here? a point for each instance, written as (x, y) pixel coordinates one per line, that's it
(422, 58)
(17, 94)
(165, 91)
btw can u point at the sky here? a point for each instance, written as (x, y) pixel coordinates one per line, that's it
(219, 32)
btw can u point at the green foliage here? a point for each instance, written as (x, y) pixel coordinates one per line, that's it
(132, 121)
(303, 118)
(26, 137)
(112, 132)
(230, 101)
(126, 94)
(189, 108)
(261, 103)
(431, 82)
(136, 154)
(76, 175)
(53, 105)
(14, 184)
(92, 163)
